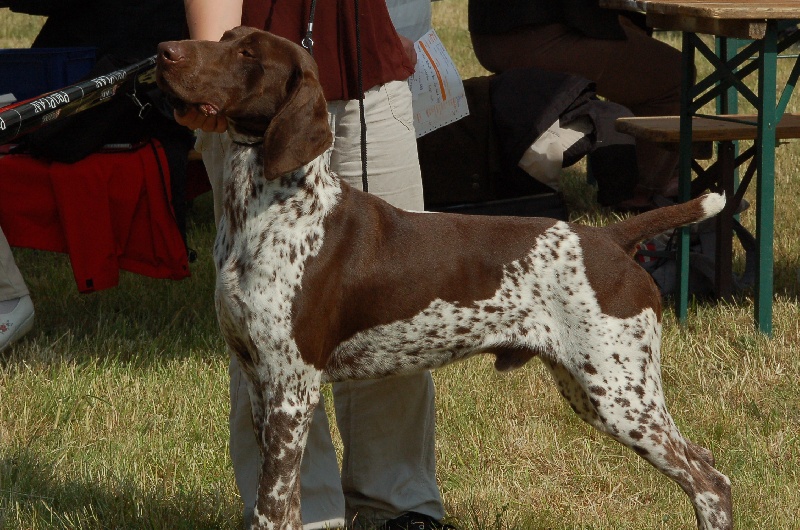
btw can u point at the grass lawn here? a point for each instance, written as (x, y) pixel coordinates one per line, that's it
(113, 411)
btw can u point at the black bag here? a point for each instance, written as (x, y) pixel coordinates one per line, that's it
(658, 257)
(462, 163)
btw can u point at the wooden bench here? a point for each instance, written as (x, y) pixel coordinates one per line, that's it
(666, 129)
(720, 175)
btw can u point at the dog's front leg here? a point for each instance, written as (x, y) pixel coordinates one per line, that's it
(282, 410)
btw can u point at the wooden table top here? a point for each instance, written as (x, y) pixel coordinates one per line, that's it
(731, 18)
(666, 129)
(741, 9)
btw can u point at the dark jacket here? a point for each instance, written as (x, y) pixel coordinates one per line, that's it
(492, 17)
(526, 101)
(128, 30)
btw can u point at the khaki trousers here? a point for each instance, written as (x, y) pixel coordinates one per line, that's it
(387, 426)
(11, 283)
(641, 73)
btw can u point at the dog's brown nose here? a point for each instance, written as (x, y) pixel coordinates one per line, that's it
(171, 52)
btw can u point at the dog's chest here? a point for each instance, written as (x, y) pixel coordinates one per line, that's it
(268, 231)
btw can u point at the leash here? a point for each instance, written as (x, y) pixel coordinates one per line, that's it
(308, 43)
(362, 114)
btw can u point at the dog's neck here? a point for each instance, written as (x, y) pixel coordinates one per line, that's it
(310, 190)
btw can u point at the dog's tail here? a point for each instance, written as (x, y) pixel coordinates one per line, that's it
(632, 231)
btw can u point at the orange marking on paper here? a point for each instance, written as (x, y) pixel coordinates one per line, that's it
(438, 75)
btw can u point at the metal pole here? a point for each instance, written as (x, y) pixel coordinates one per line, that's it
(23, 117)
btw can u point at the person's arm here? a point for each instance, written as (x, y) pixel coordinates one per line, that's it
(208, 20)
(408, 47)
(411, 19)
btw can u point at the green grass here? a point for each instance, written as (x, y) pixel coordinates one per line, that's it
(113, 411)
(18, 30)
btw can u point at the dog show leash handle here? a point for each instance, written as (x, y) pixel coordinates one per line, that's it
(308, 42)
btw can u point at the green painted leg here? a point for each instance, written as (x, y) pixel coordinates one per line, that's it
(765, 198)
(685, 176)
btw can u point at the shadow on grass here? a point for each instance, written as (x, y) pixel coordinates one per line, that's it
(31, 496)
(787, 278)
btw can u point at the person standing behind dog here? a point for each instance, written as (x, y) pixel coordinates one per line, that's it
(628, 66)
(388, 472)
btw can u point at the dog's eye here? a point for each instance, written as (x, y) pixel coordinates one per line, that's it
(247, 53)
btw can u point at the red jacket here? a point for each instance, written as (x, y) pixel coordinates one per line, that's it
(109, 211)
(334, 35)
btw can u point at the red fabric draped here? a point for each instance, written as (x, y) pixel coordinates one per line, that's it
(109, 211)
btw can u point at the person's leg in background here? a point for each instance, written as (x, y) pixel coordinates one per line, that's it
(387, 425)
(16, 307)
(641, 73)
(321, 493)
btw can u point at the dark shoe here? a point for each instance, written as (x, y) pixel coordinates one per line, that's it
(415, 521)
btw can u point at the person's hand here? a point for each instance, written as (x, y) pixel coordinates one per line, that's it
(411, 52)
(194, 119)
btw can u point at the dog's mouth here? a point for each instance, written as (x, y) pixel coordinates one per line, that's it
(182, 107)
(207, 109)
(175, 96)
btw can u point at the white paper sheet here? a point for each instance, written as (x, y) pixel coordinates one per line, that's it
(436, 87)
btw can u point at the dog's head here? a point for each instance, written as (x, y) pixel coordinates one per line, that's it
(264, 85)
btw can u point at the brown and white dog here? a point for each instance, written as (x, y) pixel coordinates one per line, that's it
(317, 281)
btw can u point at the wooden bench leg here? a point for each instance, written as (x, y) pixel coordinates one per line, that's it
(723, 274)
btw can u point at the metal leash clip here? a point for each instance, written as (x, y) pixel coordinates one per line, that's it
(143, 108)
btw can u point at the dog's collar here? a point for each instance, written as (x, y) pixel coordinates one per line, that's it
(245, 139)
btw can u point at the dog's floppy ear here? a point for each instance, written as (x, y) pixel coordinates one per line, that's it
(299, 131)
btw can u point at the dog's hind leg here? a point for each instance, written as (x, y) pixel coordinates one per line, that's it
(630, 408)
(282, 410)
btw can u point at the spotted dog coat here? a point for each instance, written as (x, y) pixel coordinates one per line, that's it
(317, 281)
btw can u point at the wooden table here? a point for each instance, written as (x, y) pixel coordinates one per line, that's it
(743, 19)
(762, 23)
